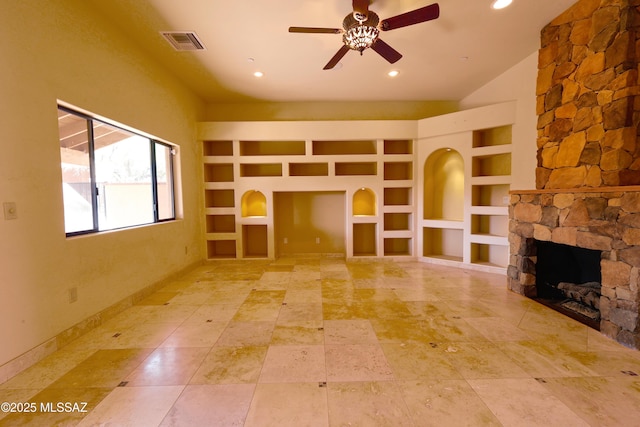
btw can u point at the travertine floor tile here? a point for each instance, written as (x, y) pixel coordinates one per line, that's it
(294, 364)
(367, 404)
(288, 405)
(357, 362)
(448, 403)
(231, 365)
(525, 402)
(167, 366)
(211, 405)
(314, 340)
(134, 406)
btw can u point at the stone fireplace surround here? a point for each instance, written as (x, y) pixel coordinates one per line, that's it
(605, 219)
(588, 174)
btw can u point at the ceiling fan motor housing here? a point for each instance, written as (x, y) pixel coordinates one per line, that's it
(359, 35)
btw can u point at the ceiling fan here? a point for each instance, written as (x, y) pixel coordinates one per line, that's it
(361, 28)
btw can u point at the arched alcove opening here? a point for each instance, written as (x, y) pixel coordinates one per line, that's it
(254, 204)
(443, 193)
(364, 202)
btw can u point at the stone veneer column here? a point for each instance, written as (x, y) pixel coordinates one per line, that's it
(586, 97)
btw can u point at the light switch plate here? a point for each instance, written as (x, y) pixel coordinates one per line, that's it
(10, 210)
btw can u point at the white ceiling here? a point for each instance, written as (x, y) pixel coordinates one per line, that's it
(445, 59)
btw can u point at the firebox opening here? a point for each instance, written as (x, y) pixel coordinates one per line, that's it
(568, 279)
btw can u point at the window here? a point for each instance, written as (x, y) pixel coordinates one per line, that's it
(111, 177)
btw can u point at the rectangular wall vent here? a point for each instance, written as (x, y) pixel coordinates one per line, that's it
(183, 40)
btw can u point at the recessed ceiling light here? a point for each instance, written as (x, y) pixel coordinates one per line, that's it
(501, 4)
(258, 74)
(393, 73)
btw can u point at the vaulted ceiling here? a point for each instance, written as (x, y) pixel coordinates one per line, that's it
(444, 59)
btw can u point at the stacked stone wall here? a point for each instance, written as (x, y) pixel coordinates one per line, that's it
(587, 100)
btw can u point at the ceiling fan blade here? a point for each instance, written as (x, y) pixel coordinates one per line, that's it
(386, 51)
(337, 57)
(315, 30)
(417, 16)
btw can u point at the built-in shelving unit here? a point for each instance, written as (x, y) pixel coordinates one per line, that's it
(438, 192)
(241, 175)
(466, 176)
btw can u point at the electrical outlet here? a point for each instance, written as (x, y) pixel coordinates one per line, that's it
(317, 240)
(506, 200)
(10, 210)
(286, 240)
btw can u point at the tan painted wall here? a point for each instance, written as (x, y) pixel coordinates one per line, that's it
(303, 217)
(54, 50)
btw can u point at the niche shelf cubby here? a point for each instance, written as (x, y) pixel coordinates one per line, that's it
(397, 246)
(254, 241)
(466, 165)
(308, 169)
(217, 148)
(219, 198)
(218, 172)
(356, 168)
(272, 148)
(398, 171)
(364, 239)
(339, 148)
(221, 249)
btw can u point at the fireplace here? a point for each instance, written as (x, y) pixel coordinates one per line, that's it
(588, 173)
(606, 220)
(568, 279)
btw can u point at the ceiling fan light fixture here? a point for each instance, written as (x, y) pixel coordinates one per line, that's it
(360, 37)
(501, 4)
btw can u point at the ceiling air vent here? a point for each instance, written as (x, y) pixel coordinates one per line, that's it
(183, 40)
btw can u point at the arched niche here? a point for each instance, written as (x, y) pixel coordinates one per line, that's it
(364, 202)
(254, 203)
(443, 194)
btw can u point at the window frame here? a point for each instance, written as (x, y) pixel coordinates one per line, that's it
(153, 144)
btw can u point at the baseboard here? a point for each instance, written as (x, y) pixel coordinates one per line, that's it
(36, 354)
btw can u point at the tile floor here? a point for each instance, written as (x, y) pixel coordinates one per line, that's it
(315, 341)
